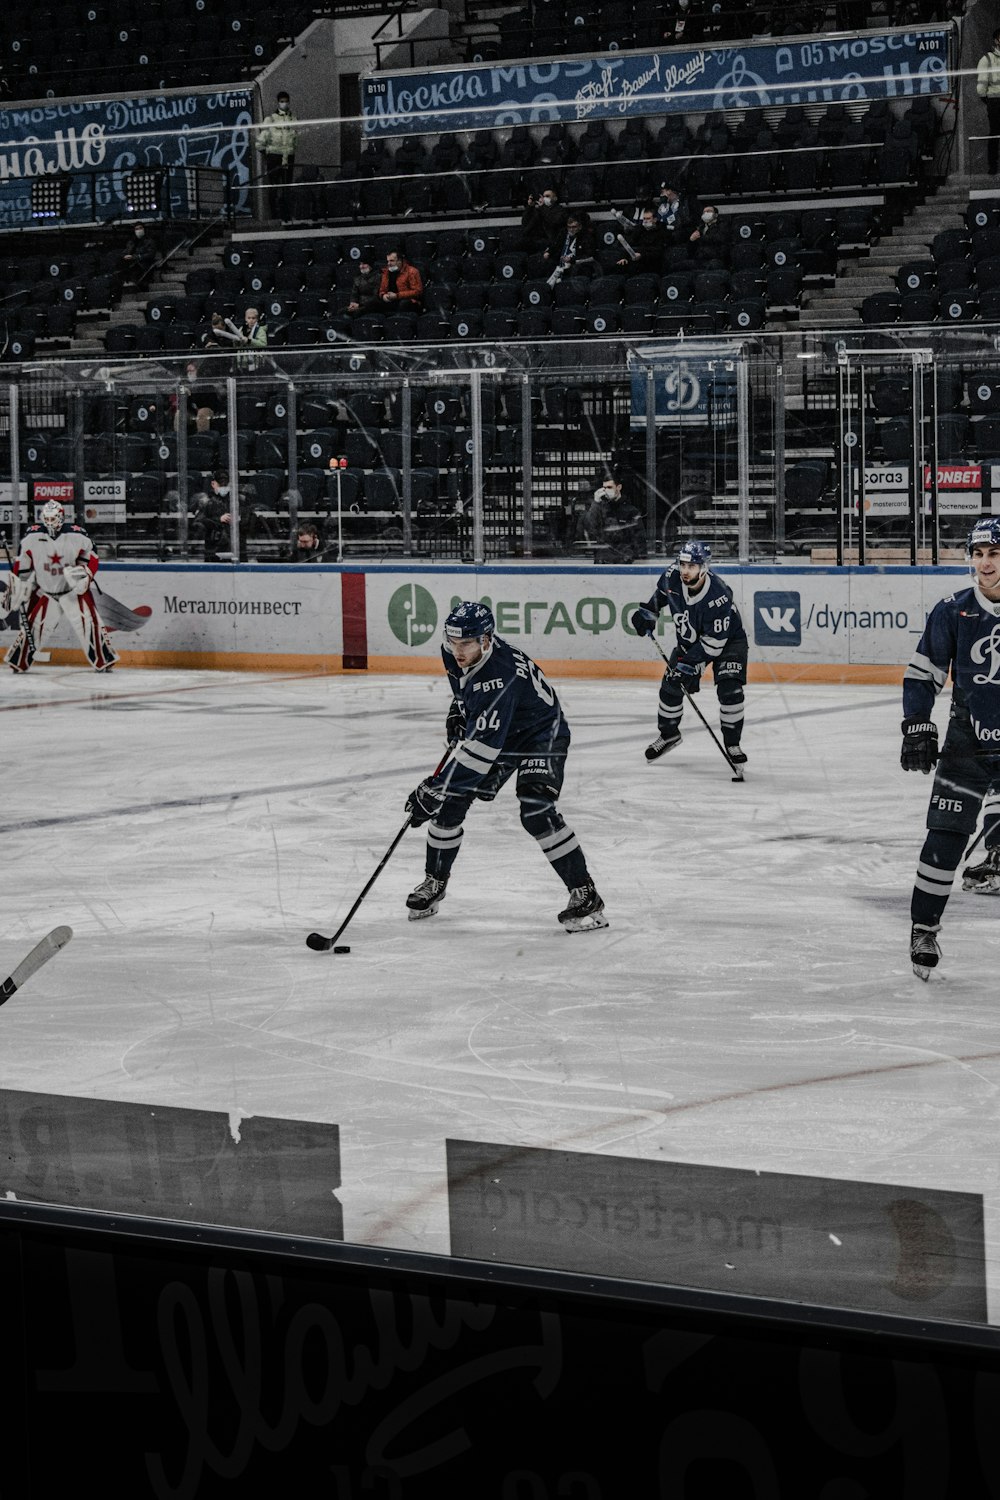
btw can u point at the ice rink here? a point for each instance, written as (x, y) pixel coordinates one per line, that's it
(751, 1003)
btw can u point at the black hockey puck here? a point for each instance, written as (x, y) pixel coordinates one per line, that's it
(341, 950)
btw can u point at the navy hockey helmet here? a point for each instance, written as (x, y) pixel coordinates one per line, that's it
(52, 517)
(985, 533)
(469, 621)
(699, 553)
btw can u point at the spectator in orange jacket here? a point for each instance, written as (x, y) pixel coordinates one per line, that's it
(401, 286)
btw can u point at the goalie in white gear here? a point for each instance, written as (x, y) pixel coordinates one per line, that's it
(52, 577)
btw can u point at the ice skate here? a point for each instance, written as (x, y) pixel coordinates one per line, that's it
(662, 744)
(736, 755)
(984, 878)
(425, 900)
(924, 950)
(585, 910)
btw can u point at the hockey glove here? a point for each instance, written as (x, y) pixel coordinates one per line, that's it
(644, 622)
(455, 723)
(687, 669)
(424, 802)
(920, 746)
(78, 577)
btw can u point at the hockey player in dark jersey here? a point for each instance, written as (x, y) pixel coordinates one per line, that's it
(505, 720)
(709, 634)
(961, 636)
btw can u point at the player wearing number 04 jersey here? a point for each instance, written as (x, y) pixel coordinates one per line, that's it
(505, 721)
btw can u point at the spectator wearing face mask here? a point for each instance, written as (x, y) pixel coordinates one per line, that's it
(365, 286)
(543, 223)
(672, 211)
(578, 246)
(643, 244)
(276, 141)
(401, 286)
(139, 255)
(709, 231)
(614, 523)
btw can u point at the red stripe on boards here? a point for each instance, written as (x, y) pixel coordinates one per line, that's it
(353, 609)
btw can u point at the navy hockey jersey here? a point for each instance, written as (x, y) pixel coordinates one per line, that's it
(509, 706)
(962, 634)
(705, 626)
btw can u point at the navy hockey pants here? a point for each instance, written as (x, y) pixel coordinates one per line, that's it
(729, 672)
(965, 781)
(539, 769)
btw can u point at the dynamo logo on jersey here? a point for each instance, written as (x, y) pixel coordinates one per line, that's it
(777, 618)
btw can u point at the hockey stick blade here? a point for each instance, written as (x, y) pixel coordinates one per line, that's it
(40, 954)
(318, 943)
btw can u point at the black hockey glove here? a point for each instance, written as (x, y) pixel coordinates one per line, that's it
(424, 802)
(920, 746)
(644, 622)
(687, 673)
(455, 723)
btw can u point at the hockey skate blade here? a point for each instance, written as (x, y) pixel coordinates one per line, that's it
(922, 972)
(421, 916)
(585, 924)
(982, 888)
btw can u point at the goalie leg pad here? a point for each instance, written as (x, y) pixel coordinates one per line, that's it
(79, 609)
(20, 656)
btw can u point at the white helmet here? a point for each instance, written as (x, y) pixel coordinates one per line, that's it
(53, 517)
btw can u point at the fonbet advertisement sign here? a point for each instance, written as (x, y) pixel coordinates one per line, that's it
(790, 615)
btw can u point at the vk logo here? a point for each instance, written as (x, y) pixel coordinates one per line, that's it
(777, 619)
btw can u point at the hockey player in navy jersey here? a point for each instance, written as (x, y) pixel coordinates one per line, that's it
(52, 578)
(709, 634)
(505, 720)
(961, 636)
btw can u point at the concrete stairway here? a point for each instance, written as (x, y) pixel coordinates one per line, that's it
(839, 306)
(92, 326)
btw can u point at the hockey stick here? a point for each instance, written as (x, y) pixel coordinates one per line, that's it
(22, 612)
(40, 954)
(320, 944)
(737, 773)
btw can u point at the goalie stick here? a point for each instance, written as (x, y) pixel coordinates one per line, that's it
(320, 944)
(737, 773)
(40, 954)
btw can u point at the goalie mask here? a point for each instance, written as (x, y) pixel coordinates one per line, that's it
(52, 517)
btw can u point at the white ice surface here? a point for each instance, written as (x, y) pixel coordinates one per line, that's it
(751, 1004)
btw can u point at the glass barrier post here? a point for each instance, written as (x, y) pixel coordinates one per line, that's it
(183, 392)
(294, 494)
(650, 457)
(476, 403)
(234, 472)
(406, 473)
(527, 464)
(743, 456)
(779, 458)
(14, 418)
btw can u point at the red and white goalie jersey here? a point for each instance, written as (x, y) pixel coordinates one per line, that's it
(52, 579)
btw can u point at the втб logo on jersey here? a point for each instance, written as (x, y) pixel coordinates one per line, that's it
(987, 648)
(413, 615)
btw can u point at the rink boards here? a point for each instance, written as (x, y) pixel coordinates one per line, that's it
(823, 624)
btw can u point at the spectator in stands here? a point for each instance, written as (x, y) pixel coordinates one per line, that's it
(988, 89)
(613, 523)
(212, 516)
(214, 336)
(307, 547)
(365, 286)
(672, 210)
(201, 402)
(643, 244)
(401, 285)
(276, 141)
(709, 232)
(139, 255)
(543, 223)
(579, 245)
